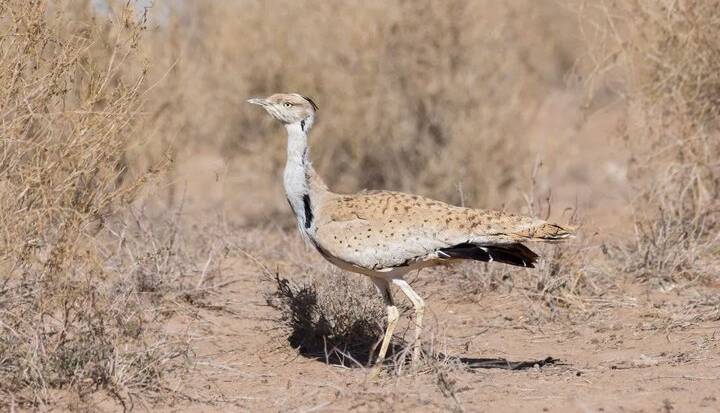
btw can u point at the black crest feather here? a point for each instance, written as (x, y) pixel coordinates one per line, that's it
(314, 105)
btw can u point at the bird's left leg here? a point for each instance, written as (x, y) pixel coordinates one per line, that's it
(419, 305)
(383, 287)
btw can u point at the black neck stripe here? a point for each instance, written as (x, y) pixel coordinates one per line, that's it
(308, 211)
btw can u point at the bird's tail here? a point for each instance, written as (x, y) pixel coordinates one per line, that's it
(513, 254)
(547, 232)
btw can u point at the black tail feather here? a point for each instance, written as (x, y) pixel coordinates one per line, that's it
(513, 254)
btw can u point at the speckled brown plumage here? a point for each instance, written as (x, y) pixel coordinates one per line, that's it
(382, 229)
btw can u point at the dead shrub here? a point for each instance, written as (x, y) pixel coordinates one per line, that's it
(71, 320)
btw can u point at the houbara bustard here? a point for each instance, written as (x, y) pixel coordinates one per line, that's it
(384, 234)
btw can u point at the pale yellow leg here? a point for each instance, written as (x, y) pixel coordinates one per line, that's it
(393, 315)
(419, 305)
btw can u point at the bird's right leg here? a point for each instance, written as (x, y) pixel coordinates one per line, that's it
(383, 287)
(419, 305)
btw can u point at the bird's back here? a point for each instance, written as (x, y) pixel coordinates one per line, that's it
(384, 229)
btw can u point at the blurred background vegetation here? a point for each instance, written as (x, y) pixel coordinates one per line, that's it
(121, 119)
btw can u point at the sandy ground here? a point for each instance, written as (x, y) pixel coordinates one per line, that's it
(634, 355)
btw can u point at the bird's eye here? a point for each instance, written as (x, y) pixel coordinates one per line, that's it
(287, 104)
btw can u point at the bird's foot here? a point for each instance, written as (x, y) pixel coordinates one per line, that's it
(417, 355)
(375, 372)
(415, 360)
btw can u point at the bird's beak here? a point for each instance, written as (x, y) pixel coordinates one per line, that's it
(258, 101)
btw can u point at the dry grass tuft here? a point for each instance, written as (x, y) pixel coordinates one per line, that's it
(331, 316)
(568, 277)
(71, 318)
(569, 280)
(671, 61)
(337, 318)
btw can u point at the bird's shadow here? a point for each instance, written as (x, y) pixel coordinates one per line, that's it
(360, 357)
(318, 337)
(504, 364)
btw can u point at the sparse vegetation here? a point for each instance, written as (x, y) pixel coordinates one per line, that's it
(331, 316)
(72, 317)
(422, 80)
(120, 126)
(671, 64)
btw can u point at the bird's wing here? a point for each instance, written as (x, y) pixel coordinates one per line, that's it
(382, 229)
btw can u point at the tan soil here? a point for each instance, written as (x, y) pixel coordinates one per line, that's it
(633, 356)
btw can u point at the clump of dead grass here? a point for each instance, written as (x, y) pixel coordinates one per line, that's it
(569, 279)
(330, 316)
(671, 61)
(71, 318)
(567, 275)
(339, 319)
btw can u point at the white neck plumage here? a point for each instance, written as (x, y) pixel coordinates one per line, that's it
(302, 185)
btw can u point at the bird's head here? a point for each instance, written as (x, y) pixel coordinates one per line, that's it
(289, 108)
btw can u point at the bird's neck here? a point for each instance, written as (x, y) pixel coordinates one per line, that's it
(303, 186)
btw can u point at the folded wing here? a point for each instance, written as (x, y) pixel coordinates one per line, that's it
(381, 230)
